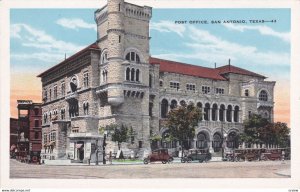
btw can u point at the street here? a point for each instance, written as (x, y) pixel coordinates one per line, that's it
(262, 169)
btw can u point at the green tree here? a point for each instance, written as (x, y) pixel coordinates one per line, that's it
(278, 134)
(260, 130)
(119, 134)
(253, 127)
(182, 121)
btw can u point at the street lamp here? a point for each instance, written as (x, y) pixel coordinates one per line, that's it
(103, 147)
(223, 144)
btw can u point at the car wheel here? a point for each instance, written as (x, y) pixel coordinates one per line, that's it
(189, 160)
(170, 160)
(182, 160)
(237, 159)
(146, 161)
(206, 159)
(164, 161)
(200, 160)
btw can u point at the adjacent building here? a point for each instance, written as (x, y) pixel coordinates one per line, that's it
(29, 129)
(115, 80)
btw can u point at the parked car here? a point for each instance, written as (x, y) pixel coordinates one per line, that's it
(159, 155)
(196, 154)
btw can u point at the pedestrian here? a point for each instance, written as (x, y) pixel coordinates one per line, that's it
(282, 155)
(110, 157)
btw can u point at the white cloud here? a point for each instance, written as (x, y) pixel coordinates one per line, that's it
(45, 57)
(31, 37)
(168, 26)
(264, 30)
(75, 24)
(202, 45)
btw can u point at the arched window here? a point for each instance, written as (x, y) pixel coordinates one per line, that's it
(263, 96)
(137, 74)
(214, 112)
(132, 74)
(173, 104)
(104, 57)
(164, 108)
(73, 84)
(86, 108)
(229, 113)
(182, 103)
(206, 112)
(221, 113)
(236, 114)
(199, 105)
(127, 74)
(201, 141)
(133, 57)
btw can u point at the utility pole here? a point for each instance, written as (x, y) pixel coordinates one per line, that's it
(104, 145)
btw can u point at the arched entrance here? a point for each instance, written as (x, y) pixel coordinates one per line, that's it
(202, 141)
(80, 150)
(232, 140)
(217, 142)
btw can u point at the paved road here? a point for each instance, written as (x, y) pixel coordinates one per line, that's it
(266, 169)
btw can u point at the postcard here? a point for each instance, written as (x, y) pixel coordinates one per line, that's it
(109, 94)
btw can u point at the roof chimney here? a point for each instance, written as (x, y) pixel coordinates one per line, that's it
(229, 64)
(215, 65)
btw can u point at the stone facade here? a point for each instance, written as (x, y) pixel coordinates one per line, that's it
(116, 81)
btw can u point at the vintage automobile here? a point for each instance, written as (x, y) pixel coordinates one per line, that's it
(159, 155)
(272, 154)
(202, 155)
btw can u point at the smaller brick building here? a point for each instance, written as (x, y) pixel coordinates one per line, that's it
(29, 129)
(13, 134)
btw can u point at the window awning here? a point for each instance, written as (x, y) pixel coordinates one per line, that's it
(78, 146)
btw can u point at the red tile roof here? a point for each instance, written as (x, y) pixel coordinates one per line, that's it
(91, 46)
(198, 71)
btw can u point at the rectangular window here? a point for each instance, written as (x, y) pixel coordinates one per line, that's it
(45, 138)
(36, 123)
(45, 95)
(36, 135)
(86, 79)
(174, 85)
(63, 88)
(220, 91)
(119, 38)
(205, 89)
(75, 129)
(52, 136)
(50, 94)
(55, 92)
(190, 87)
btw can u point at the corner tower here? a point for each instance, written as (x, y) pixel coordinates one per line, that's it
(123, 37)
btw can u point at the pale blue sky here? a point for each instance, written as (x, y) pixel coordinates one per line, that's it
(41, 37)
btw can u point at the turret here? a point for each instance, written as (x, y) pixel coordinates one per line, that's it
(115, 36)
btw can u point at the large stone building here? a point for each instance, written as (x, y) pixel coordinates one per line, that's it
(115, 80)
